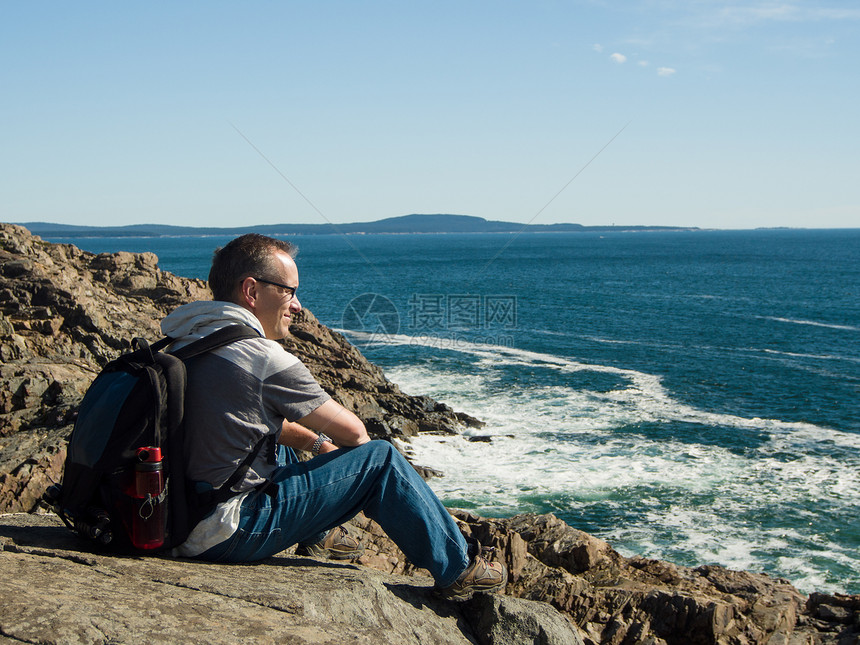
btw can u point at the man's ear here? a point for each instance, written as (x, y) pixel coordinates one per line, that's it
(248, 293)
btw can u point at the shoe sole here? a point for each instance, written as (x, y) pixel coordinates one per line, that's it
(328, 553)
(468, 593)
(333, 555)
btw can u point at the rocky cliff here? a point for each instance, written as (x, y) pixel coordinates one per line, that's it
(65, 312)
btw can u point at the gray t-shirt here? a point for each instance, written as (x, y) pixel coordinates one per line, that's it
(238, 394)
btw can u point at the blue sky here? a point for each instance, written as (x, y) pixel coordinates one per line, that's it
(701, 113)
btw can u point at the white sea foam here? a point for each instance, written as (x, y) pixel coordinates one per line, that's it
(639, 343)
(813, 323)
(644, 393)
(823, 357)
(750, 350)
(565, 447)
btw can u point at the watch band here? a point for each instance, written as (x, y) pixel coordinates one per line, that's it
(321, 439)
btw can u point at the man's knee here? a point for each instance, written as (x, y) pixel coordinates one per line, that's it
(380, 452)
(381, 448)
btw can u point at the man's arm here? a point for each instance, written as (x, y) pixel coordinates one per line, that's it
(332, 419)
(298, 437)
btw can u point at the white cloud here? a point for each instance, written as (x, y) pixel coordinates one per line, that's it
(757, 12)
(665, 71)
(642, 63)
(618, 58)
(837, 14)
(597, 47)
(751, 15)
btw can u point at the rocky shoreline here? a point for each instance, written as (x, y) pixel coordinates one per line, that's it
(65, 312)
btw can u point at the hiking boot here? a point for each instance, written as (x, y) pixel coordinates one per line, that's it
(482, 576)
(338, 544)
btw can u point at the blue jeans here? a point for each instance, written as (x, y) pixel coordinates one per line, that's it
(315, 496)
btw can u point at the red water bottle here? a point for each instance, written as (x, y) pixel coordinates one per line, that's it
(147, 526)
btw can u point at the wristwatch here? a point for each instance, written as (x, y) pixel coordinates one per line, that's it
(321, 439)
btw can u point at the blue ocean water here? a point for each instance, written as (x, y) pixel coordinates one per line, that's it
(690, 396)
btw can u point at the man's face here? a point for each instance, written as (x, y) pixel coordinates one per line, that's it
(272, 304)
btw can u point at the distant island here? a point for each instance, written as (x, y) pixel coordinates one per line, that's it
(404, 224)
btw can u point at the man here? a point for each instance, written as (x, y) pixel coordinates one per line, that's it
(252, 392)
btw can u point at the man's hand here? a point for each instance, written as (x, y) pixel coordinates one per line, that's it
(298, 437)
(328, 446)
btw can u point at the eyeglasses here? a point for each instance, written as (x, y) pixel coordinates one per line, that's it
(290, 291)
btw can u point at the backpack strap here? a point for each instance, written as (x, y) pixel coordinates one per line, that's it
(224, 336)
(157, 346)
(173, 365)
(207, 500)
(211, 498)
(174, 368)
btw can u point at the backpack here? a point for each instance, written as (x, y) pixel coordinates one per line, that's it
(124, 483)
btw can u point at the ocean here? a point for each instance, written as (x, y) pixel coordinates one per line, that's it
(689, 396)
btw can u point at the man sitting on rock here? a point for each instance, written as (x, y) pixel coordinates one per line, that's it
(253, 390)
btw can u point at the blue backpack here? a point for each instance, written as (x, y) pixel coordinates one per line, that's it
(124, 483)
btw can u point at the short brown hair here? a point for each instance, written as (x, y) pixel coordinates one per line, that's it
(247, 255)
